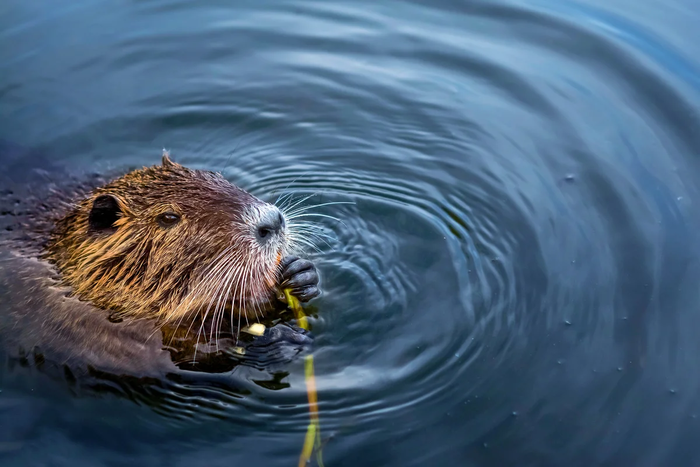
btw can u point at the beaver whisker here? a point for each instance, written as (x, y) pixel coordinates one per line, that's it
(219, 312)
(256, 281)
(242, 311)
(214, 265)
(240, 289)
(238, 143)
(215, 274)
(222, 280)
(223, 295)
(244, 291)
(315, 214)
(290, 184)
(283, 198)
(235, 278)
(262, 305)
(222, 271)
(250, 282)
(306, 208)
(313, 236)
(306, 242)
(306, 227)
(312, 230)
(212, 278)
(297, 203)
(238, 329)
(218, 316)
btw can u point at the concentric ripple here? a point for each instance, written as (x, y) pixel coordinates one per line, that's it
(512, 274)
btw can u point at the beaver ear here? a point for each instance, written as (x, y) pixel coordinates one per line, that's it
(104, 213)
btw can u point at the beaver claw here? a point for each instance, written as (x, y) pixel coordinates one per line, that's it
(301, 276)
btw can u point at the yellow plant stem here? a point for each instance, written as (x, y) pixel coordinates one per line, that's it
(313, 433)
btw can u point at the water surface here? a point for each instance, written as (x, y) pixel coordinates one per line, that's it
(516, 282)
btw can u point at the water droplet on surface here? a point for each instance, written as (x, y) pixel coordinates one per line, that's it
(672, 391)
(619, 368)
(567, 322)
(514, 413)
(569, 177)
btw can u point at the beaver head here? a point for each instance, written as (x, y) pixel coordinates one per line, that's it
(170, 242)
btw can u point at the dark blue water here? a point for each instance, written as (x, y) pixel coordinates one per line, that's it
(517, 282)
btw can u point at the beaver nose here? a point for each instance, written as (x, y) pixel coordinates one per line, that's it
(271, 224)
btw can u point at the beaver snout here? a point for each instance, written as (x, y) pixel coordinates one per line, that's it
(270, 225)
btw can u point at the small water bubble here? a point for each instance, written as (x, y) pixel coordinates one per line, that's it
(569, 177)
(486, 445)
(694, 416)
(619, 368)
(672, 391)
(679, 198)
(560, 361)
(456, 355)
(514, 413)
(567, 322)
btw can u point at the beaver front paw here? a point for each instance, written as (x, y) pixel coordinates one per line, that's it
(301, 276)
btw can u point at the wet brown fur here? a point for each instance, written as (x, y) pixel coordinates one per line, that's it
(139, 269)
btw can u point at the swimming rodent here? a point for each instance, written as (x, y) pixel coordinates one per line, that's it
(160, 248)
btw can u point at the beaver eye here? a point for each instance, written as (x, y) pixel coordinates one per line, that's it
(168, 219)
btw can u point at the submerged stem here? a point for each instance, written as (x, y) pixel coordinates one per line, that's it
(312, 442)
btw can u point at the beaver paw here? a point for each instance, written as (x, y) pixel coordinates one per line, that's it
(301, 276)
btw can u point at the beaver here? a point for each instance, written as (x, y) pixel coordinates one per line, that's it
(105, 278)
